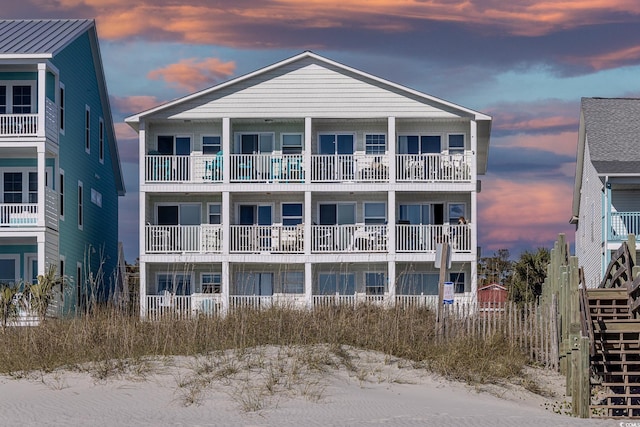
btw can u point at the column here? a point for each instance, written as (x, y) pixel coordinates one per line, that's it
(307, 149)
(308, 284)
(391, 222)
(308, 236)
(226, 222)
(226, 286)
(42, 85)
(391, 148)
(40, 239)
(142, 220)
(41, 187)
(391, 280)
(226, 150)
(473, 143)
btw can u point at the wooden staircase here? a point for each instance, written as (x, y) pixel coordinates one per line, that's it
(615, 351)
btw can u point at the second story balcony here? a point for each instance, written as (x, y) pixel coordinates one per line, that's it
(16, 216)
(290, 168)
(25, 125)
(622, 224)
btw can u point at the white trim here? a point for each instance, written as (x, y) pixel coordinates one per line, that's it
(80, 205)
(10, 84)
(101, 140)
(25, 171)
(62, 110)
(208, 213)
(365, 202)
(300, 134)
(203, 136)
(178, 204)
(420, 135)
(87, 129)
(328, 202)
(237, 137)
(386, 142)
(336, 133)
(61, 193)
(464, 141)
(200, 283)
(28, 273)
(173, 275)
(256, 205)
(16, 260)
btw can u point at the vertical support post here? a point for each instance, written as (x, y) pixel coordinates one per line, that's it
(307, 149)
(443, 276)
(226, 150)
(391, 150)
(42, 106)
(226, 286)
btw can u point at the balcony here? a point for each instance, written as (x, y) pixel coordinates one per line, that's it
(349, 168)
(275, 238)
(188, 169)
(162, 239)
(348, 238)
(623, 224)
(434, 167)
(21, 215)
(26, 125)
(425, 238)
(276, 168)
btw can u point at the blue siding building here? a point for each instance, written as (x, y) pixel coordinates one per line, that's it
(60, 174)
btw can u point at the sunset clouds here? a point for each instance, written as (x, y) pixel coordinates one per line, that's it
(526, 63)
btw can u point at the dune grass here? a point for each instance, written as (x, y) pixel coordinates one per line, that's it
(111, 339)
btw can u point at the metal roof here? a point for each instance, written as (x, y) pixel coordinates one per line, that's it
(39, 36)
(612, 128)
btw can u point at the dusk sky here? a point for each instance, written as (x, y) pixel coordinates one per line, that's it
(526, 63)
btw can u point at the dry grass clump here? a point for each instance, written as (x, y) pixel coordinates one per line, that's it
(108, 342)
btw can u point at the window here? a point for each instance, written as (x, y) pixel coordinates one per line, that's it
(456, 144)
(418, 284)
(293, 282)
(21, 99)
(170, 145)
(211, 283)
(211, 145)
(12, 187)
(101, 140)
(254, 284)
(252, 143)
(375, 144)
(291, 213)
(61, 272)
(375, 213)
(178, 214)
(336, 214)
(419, 144)
(215, 216)
(336, 283)
(61, 107)
(415, 214)
(96, 197)
(87, 129)
(33, 187)
(291, 143)
(79, 281)
(458, 282)
(336, 143)
(9, 269)
(456, 210)
(61, 195)
(3, 100)
(80, 206)
(374, 283)
(17, 98)
(176, 283)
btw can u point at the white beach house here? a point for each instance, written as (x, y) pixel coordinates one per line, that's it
(306, 182)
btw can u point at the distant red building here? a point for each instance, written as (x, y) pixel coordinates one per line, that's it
(493, 295)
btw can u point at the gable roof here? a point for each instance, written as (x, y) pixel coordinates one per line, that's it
(39, 39)
(608, 138)
(612, 130)
(39, 36)
(189, 107)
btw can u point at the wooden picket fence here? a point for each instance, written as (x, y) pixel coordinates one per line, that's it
(531, 327)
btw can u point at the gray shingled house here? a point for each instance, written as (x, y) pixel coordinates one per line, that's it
(606, 196)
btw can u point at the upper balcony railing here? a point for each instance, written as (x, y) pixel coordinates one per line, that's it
(26, 125)
(267, 168)
(289, 168)
(434, 167)
(276, 238)
(20, 215)
(425, 238)
(349, 238)
(623, 224)
(183, 238)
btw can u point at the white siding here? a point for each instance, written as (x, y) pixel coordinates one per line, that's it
(589, 231)
(310, 89)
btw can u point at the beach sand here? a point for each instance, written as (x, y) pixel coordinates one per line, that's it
(277, 386)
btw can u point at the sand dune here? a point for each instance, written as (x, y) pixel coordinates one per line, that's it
(274, 387)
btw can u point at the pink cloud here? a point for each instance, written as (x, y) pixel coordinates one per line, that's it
(134, 104)
(191, 74)
(514, 212)
(613, 59)
(564, 143)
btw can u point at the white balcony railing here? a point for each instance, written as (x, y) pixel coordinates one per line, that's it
(349, 168)
(434, 167)
(425, 238)
(282, 168)
(275, 238)
(349, 238)
(18, 124)
(623, 224)
(183, 238)
(19, 214)
(166, 168)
